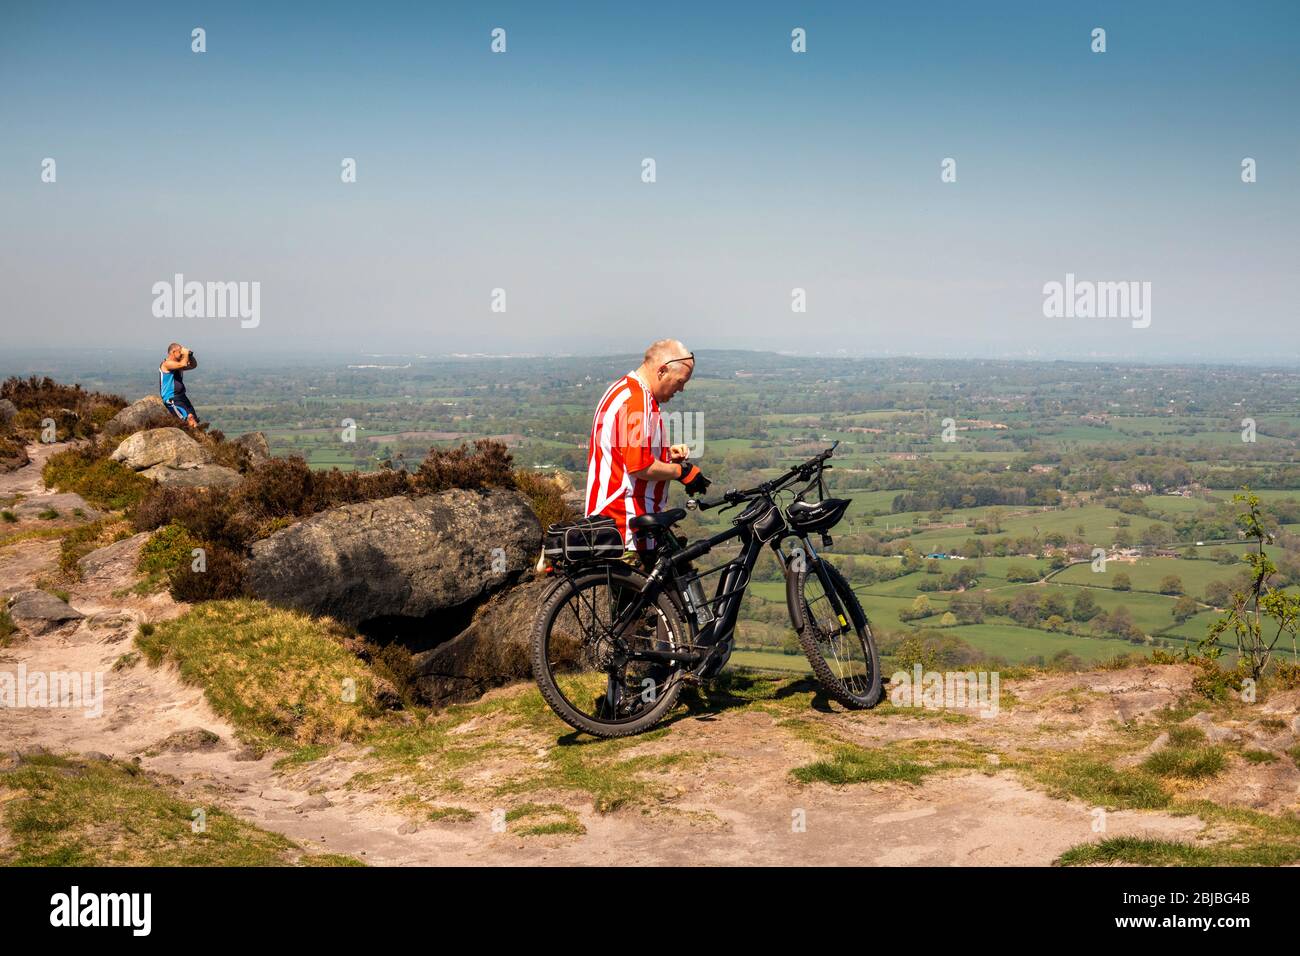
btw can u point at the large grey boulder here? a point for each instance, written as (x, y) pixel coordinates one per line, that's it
(160, 446)
(494, 650)
(398, 557)
(40, 611)
(137, 415)
(8, 412)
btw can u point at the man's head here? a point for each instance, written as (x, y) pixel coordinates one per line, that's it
(667, 368)
(174, 351)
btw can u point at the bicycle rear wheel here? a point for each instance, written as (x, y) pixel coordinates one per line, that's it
(577, 662)
(843, 657)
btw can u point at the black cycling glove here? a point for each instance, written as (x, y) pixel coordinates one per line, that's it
(693, 479)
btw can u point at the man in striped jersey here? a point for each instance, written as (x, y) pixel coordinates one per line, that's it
(629, 460)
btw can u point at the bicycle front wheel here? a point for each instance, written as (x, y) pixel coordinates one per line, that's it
(581, 664)
(842, 654)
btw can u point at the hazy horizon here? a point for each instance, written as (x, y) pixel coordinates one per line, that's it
(775, 170)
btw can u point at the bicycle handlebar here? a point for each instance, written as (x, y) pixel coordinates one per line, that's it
(733, 496)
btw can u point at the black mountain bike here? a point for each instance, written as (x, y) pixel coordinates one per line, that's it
(613, 645)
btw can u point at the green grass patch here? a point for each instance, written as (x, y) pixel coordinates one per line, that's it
(279, 676)
(101, 481)
(59, 811)
(1187, 763)
(543, 819)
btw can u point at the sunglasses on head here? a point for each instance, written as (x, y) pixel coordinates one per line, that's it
(685, 358)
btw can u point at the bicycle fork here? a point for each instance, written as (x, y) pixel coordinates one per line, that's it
(811, 559)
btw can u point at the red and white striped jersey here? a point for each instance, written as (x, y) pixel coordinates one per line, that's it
(627, 434)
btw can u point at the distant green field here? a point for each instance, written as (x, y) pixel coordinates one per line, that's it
(1147, 573)
(1018, 644)
(769, 661)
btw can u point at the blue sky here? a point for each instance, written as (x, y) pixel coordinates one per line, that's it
(775, 170)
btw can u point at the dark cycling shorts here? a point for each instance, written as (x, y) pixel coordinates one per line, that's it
(181, 408)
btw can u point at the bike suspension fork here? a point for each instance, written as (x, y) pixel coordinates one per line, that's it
(814, 563)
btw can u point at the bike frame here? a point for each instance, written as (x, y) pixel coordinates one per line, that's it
(735, 575)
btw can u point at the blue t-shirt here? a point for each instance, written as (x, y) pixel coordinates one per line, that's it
(171, 385)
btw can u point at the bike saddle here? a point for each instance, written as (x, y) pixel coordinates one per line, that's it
(664, 519)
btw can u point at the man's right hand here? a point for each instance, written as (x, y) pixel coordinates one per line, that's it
(693, 479)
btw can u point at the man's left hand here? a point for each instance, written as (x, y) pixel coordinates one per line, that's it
(679, 452)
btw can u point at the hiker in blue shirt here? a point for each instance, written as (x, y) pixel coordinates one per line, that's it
(171, 383)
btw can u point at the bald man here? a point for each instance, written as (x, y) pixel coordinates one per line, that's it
(629, 460)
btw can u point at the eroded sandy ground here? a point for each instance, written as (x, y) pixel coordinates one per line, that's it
(737, 805)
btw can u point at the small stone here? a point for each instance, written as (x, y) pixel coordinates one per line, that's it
(318, 802)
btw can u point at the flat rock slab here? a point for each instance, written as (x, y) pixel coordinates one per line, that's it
(40, 610)
(66, 504)
(199, 476)
(116, 560)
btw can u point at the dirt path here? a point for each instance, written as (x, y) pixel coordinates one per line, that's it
(740, 807)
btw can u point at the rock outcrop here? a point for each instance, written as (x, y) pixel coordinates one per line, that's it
(135, 416)
(160, 446)
(171, 457)
(255, 446)
(494, 650)
(398, 557)
(113, 562)
(40, 611)
(200, 476)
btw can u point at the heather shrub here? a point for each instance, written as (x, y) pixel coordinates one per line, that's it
(87, 470)
(76, 412)
(221, 578)
(545, 495)
(489, 465)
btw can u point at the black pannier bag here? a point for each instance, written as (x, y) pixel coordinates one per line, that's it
(582, 541)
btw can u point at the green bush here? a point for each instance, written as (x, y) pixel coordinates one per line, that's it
(87, 471)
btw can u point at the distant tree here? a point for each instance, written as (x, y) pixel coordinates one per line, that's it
(1157, 535)
(1223, 556)
(1184, 608)
(1171, 584)
(1024, 608)
(920, 608)
(1085, 606)
(948, 619)
(1054, 623)
(1121, 582)
(1120, 623)
(933, 566)
(1122, 539)
(1055, 602)
(1217, 593)
(1021, 572)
